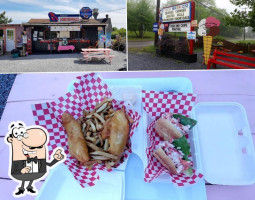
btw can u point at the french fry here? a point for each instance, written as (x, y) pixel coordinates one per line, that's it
(84, 127)
(101, 153)
(100, 118)
(102, 102)
(101, 140)
(108, 167)
(93, 124)
(101, 108)
(100, 158)
(91, 139)
(106, 145)
(91, 162)
(93, 146)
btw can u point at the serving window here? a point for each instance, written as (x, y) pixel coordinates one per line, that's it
(50, 34)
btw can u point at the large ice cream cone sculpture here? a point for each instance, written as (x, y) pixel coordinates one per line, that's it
(207, 47)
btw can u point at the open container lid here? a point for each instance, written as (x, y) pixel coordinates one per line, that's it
(223, 144)
(60, 184)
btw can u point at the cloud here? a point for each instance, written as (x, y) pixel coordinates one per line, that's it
(119, 20)
(65, 7)
(30, 2)
(20, 17)
(62, 9)
(110, 4)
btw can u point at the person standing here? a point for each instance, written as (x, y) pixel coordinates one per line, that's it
(24, 41)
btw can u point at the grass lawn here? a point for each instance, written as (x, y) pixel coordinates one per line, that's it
(148, 36)
(245, 42)
(149, 49)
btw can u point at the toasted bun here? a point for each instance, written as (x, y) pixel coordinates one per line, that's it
(166, 130)
(165, 160)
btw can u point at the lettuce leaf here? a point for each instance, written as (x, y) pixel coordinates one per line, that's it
(185, 120)
(188, 172)
(183, 145)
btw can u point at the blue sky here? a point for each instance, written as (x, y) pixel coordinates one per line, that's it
(22, 10)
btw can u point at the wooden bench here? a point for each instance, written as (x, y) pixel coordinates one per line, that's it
(226, 59)
(102, 56)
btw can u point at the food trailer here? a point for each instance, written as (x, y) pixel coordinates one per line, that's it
(60, 32)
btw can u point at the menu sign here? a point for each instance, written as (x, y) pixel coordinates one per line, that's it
(63, 18)
(180, 27)
(177, 13)
(65, 28)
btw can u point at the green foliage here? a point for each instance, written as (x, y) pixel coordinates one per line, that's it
(115, 32)
(140, 15)
(122, 32)
(4, 19)
(207, 8)
(243, 18)
(246, 42)
(170, 3)
(220, 38)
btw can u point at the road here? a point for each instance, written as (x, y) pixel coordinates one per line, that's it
(63, 62)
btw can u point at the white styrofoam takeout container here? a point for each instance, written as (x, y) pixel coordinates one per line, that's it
(224, 150)
(60, 183)
(221, 144)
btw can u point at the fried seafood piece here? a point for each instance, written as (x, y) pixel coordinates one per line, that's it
(116, 130)
(76, 142)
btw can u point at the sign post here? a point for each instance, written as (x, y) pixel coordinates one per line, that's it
(155, 27)
(191, 42)
(179, 18)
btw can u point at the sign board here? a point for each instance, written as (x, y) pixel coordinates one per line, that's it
(63, 18)
(194, 23)
(85, 13)
(65, 28)
(177, 13)
(155, 27)
(64, 34)
(191, 35)
(180, 27)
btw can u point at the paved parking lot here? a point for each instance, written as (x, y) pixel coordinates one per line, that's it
(64, 62)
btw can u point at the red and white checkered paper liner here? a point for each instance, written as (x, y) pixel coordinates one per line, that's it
(156, 104)
(89, 90)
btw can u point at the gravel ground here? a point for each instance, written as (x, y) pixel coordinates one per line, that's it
(148, 61)
(6, 82)
(64, 62)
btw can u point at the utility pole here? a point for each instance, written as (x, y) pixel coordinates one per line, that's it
(244, 33)
(157, 20)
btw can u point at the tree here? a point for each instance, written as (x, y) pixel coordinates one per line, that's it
(207, 8)
(4, 19)
(140, 16)
(170, 3)
(122, 32)
(243, 18)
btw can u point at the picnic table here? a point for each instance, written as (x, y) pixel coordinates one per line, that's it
(65, 48)
(50, 86)
(101, 53)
